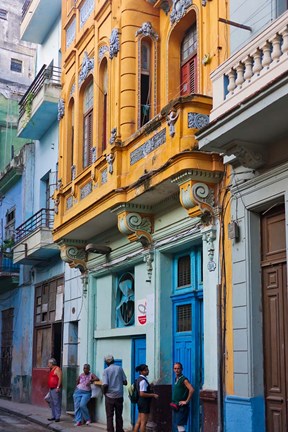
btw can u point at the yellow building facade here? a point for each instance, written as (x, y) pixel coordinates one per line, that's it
(132, 183)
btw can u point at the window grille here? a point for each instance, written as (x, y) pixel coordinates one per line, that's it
(184, 271)
(184, 318)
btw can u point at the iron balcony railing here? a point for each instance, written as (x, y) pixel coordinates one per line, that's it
(25, 8)
(7, 266)
(44, 218)
(47, 75)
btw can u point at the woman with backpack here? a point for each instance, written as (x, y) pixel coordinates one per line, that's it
(145, 397)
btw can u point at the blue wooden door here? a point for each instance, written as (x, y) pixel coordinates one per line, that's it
(187, 301)
(138, 357)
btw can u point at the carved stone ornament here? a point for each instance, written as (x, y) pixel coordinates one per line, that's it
(110, 159)
(197, 120)
(147, 30)
(102, 50)
(171, 120)
(87, 66)
(137, 226)
(114, 43)
(179, 9)
(61, 109)
(75, 256)
(209, 236)
(148, 258)
(248, 154)
(113, 135)
(197, 198)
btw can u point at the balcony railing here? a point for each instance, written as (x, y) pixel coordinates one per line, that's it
(25, 8)
(256, 65)
(7, 266)
(47, 75)
(44, 218)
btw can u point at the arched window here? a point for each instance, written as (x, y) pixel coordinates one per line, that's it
(87, 125)
(189, 62)
(145, 82)
(103, 103)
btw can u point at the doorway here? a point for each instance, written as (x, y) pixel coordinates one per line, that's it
(6, 352)
(275, 312)
(138, 357)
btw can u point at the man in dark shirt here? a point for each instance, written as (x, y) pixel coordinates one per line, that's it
(112, 385)
(182, 393)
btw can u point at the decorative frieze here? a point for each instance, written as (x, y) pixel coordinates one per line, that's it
(209, 236)
(86, 190)
(137, 225)
(197, 120)
(69, 202)
(154, 142)
(85, 11)
(114, 43)
(147, 30)
(179, 9)
(248, 154)
(61, 109)
(74, 255)
(87, 66)
(104, 176)
(70, 33)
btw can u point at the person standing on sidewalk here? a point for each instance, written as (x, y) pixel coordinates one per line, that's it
(112, 386)
(182, 393)
(82, 395)
(145, 397)
(54, 385)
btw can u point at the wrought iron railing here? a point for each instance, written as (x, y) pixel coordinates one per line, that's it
(25, 8)
(46, 75)
(7, 266)
(44, 218)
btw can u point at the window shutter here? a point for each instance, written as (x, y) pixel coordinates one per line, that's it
(184, 318)
(193, 75)
(184, 271)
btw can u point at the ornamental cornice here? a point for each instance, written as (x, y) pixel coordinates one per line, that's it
(74, 255)
(197, 174)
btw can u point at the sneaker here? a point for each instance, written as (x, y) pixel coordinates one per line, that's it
(88, 422)
(51, 419)
(78, 424)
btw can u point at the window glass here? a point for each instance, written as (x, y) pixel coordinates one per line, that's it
(16, 65)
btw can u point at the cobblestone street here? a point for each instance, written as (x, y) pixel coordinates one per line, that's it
(8, 423)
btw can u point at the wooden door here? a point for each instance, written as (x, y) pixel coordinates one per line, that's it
(275, 313)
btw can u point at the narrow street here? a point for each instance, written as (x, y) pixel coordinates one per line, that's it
(10, 423)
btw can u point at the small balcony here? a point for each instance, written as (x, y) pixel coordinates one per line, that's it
(9, 272)
(33, 240)
(250, 95)
(38, 109)
(35, 11)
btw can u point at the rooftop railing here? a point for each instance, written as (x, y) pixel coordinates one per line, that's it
(44, 218)
(46, 75)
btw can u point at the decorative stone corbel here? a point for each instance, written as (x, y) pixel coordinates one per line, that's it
(196, 197)
(137, 225)
(110, 159)
(75, 256)
(148, 258)
(209, 236)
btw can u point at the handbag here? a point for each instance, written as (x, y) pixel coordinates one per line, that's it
(95, 391)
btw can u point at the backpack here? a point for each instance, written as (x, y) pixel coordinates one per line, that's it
(133, 392)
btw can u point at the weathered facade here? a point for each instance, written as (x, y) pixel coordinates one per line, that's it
(248, 124)
(137, 202)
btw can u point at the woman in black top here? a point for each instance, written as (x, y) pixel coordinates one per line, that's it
(145, 397)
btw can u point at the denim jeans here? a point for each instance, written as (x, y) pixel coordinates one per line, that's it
(81, 399)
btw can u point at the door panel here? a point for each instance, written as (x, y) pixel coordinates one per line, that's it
(275, 312)
(138, 357)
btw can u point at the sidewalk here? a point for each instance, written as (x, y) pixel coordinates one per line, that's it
(39, 415)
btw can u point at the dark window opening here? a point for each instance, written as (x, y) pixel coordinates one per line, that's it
(189, 62)
(184, 271)
(3, 14)
(145, 99)
(125, 300)
(184, 318)
(16, 65)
